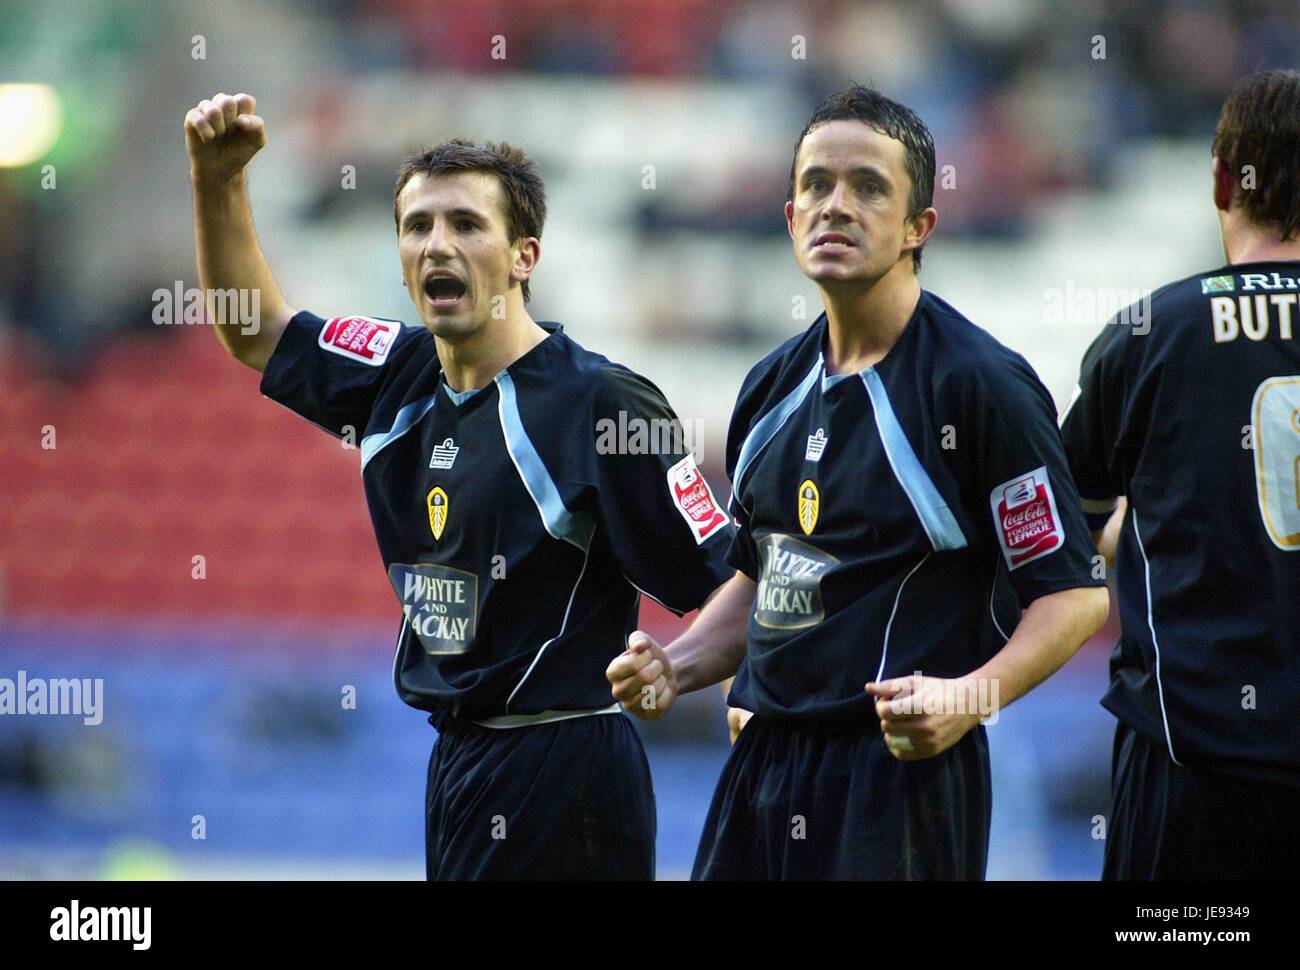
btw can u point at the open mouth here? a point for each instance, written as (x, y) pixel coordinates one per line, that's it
(830, 242)
(444, 291)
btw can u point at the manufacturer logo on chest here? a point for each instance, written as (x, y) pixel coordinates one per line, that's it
(444, 455)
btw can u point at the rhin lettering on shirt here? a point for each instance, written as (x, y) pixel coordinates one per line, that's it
(440, 603)
(694, 499)
(98, 923)
(789, 587)
(359, 338)
(1025, 518)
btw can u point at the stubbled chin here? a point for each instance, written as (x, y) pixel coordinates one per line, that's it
(451, 327)
(831, 274)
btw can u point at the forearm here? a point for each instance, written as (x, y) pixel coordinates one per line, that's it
(1107, 538)
(1049, 633)
(230, 259)
(712, 648)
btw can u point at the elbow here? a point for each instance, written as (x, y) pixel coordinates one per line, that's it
(1096, 609)
(253, 357)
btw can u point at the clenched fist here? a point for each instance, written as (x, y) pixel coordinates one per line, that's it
(642, 678)
(923, 716)
(222, 135)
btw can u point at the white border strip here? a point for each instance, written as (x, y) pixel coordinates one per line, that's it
(884, 650)
(1151, 625)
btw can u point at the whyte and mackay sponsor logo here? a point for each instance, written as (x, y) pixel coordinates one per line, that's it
(789, 587)
(440, 603)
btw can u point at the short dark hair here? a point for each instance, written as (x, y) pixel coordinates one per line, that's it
(1260, 126)
(520, 179)
(869, 106)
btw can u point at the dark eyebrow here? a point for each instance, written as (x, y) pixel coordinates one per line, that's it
(457, 213)
(870, 171)
(463, 213)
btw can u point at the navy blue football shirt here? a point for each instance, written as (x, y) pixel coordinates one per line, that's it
(1192, 410)
(896, 519)
(518, 522)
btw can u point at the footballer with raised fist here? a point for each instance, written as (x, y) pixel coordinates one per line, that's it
(517, 548)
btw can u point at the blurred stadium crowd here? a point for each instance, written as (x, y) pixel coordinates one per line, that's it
(1076, 141)
(1028, 102)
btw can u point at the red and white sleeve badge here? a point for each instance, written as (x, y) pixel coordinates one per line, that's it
(1025, 518)
(694, 499)
(359, 338)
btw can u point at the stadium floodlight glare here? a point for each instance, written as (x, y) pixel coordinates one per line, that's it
(32, 119)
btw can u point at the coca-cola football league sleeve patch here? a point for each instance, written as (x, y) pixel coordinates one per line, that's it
(1025, 518)
(359, 338)
(694, 499)
(331, 371)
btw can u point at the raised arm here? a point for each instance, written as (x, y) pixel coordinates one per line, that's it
(221, 137)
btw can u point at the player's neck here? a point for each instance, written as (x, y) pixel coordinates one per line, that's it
(864, 323)
(1246, 242)
(471, 363)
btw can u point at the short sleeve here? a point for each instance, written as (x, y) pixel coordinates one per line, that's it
(1026, 493)
(1090, 427)
(743, 551)
(666, 529)
(331, 371)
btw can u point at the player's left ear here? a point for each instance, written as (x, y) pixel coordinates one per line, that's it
(527, 252)
(919, 228)
(1223, 187)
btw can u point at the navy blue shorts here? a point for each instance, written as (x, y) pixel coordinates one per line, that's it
(831, 802)
(1173, 822)
(564, 800)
